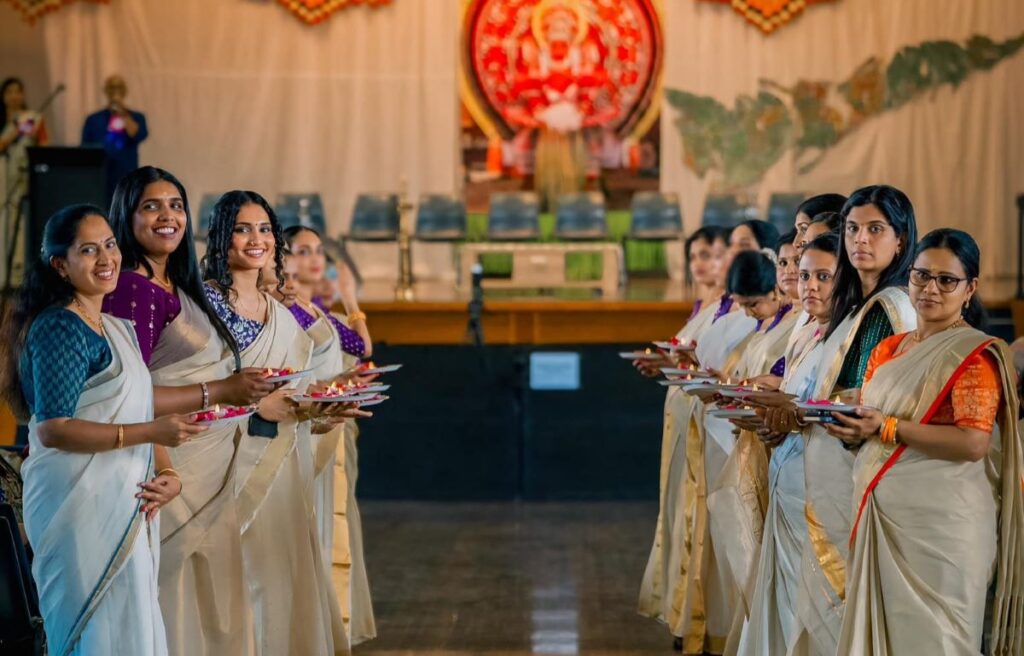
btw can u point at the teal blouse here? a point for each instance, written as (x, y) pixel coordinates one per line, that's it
(61, 353)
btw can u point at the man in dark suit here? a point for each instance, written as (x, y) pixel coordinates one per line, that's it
(118, 130)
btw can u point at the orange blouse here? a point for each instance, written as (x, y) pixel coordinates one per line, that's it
(973, 401)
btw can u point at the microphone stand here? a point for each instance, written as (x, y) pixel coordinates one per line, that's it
(19, 182)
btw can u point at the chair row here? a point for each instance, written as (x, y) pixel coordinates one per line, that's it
(514, 216)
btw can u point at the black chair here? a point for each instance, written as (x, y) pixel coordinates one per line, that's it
(782, 210)
(724, 211)
(514, 216)
(655, 216)
(306, 210)
(441, 217)
(7, 512)
(21, 630)
(581, 216)
(375, 218)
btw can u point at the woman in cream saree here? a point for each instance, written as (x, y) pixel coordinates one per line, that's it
(703, 604)
(203, 592)
(736, 468)
(295, 609)
(336, 351)
(939, 502)
(868, 305)
(771, 623)
(705, 249)
(80, 377)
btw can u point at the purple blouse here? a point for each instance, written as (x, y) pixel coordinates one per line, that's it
(779, 368)
(351, 342)
(723, 309)
(149, 307)
(696, 309)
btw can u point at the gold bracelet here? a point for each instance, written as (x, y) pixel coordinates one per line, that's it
(358, 315)
(120, 437)
(169, 471)
(206, 395)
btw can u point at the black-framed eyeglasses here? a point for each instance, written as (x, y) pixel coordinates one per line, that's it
(945, 283)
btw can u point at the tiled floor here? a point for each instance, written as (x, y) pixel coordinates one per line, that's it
(508, 578)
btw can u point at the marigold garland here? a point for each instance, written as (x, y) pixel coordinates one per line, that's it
(314, 12)
(768, 14)
(33, 10)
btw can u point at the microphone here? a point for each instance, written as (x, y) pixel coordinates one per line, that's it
(475, 327)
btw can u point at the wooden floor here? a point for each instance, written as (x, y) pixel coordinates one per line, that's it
(509, 578)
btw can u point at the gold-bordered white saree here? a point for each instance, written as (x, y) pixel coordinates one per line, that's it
(663, 573)
(295, 608)
(96, 557)
(203, 592)
(828, 473)
(931, 534)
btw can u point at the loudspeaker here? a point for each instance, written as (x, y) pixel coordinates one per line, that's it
(59, 177)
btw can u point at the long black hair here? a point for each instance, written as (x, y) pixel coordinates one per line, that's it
(709, 234)
(832, 220)
(899, 212)
(182, 264)
(826, 243)
(222, 227)
(3, 89)
(291, 232)
(43, 286)
(815, 205)
(963, 246)
(752, 273)
(786, 238)
(766, 234)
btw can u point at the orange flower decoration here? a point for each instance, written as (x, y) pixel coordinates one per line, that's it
(768, 14)
(316, 11)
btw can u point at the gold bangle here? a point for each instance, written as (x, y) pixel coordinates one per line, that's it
(120, 437)
(169, 471)
(358, 315)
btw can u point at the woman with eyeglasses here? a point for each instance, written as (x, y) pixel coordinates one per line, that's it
(772, 609)
(938, 490)
(869, 303)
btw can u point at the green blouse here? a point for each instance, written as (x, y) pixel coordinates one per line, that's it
(873, 329)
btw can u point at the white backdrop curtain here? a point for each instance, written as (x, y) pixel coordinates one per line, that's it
(241, 94)
(958, 153)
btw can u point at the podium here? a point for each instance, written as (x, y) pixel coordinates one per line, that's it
(58, 177)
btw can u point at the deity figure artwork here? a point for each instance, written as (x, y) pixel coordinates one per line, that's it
(582, 70)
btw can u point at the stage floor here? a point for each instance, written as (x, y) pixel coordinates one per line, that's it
(509, 578)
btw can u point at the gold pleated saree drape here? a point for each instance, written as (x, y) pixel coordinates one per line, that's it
(663, 575)
(738, 496)
(771, 622)
(203, 591)
(704, 602)
(828, 473)
(295, 609)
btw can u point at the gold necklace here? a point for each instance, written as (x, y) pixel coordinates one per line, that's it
(956, 324)
(97, 324)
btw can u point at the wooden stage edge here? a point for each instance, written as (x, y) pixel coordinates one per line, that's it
(540, 322)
